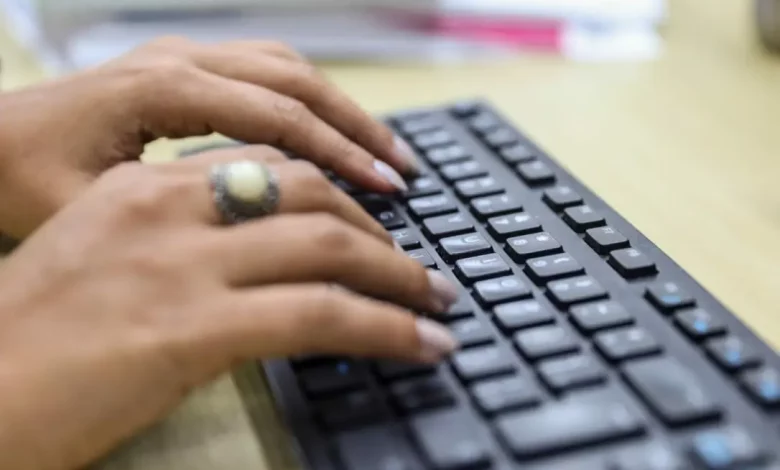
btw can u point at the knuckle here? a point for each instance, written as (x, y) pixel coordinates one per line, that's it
(291, 112)
(281, 47)
(170, 43)
(308, 80)
(165, 73)
(312, 178)
(326, 311)
(150, 196)
(334, 235)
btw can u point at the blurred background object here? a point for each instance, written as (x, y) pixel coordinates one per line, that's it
(79, 33)
(768, 20)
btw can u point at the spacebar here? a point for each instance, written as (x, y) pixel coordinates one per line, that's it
(579, 421)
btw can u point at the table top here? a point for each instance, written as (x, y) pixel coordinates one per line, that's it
(687, 148)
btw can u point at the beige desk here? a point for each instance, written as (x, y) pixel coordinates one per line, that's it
(693, 138)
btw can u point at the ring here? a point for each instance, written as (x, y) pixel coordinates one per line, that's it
(244, 190)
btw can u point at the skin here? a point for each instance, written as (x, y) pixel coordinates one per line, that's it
(129, 286)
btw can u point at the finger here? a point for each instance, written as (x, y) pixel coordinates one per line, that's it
(322, 248)
(197, 102)
(274, 48)
(287, 320)
(258, 153)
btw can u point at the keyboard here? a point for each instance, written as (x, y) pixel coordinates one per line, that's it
(583, 345)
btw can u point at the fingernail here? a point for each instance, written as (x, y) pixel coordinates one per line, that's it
(436, 340)
(443, 292)
(390, 175)
(405, 153)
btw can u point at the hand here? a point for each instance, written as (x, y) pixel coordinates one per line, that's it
(56, 138)
(133, 295)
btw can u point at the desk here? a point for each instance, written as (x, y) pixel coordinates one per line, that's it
(694, 138)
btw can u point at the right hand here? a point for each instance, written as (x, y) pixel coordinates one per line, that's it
(133, 295)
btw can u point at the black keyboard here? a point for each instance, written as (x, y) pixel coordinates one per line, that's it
(583, 345)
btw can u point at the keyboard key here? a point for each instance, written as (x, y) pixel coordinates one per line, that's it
(463, 246)
(597, 418)
(732, 354)
(518, 153)
(498, 395)
(431, 205)
(597, 316)
(561, 197)
(726, 448)
(429, 140)
(668, 297)
(423, 186)
(571, 372)
(390, 219)
(654, 456)
(349, 410)
(549, 268)
(460, 171)
(535, 173)
(405, 238)
(503, 289)
(582, 218)
(567, 292)
(545, 341)
(336, 377)
(377, 448)
(699, 324)
(423, 124)
(483, 122)
(447, 225)
(524, 314)
(491, 206)
(513, 224)
(671, 390)
(763, 385)
(632, 263)
(413, 395)
(478, 187)
(471, 332)
(482, 267)
(501, 137)
(459, 448)
(605, 239)
(626, 343)
(532, 246)
(463, 307)
(484, 362)
(423, 257)
(392, 370)
(465, 109)
(444, 155)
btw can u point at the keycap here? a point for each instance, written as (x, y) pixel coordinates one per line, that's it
(390, 219)
(532, 246)
(431, 205)
(523, 314)
(377, 448)
(502, 289)
(582, 218)
(763, 385)
(470, 270)
(483, 122)
(579, 421)
(626, 343)
(423, 257)
(726, 448)
(566, 292)
(535, 173)
(413, 395)
(597, 316)
(471, 332)
(465, 109)
(349, 410)
(655, 456)
(698, 323)
(632, 263)
(429, 140)
(545, 341)
(444, 155)
(510, 225)
(405, 238)
(460, 447)
(460, 171)
(447, 225)
(463, 307)
(490, 206)
(571, 372)
(478, 187)
(423, 124)
(501, 137)
(671, 390)
(561, 197)
(667, 296)
(732, 353)
(506, 393)
(331, 378)
(518, 153)
(483, 362)
(392, 370)
(463, 246)
(605, 239)
(423, 186)
(548, 268)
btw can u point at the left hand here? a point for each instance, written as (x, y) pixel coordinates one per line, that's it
(57, 138)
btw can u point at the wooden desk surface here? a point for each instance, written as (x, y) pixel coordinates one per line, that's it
(687, 148)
